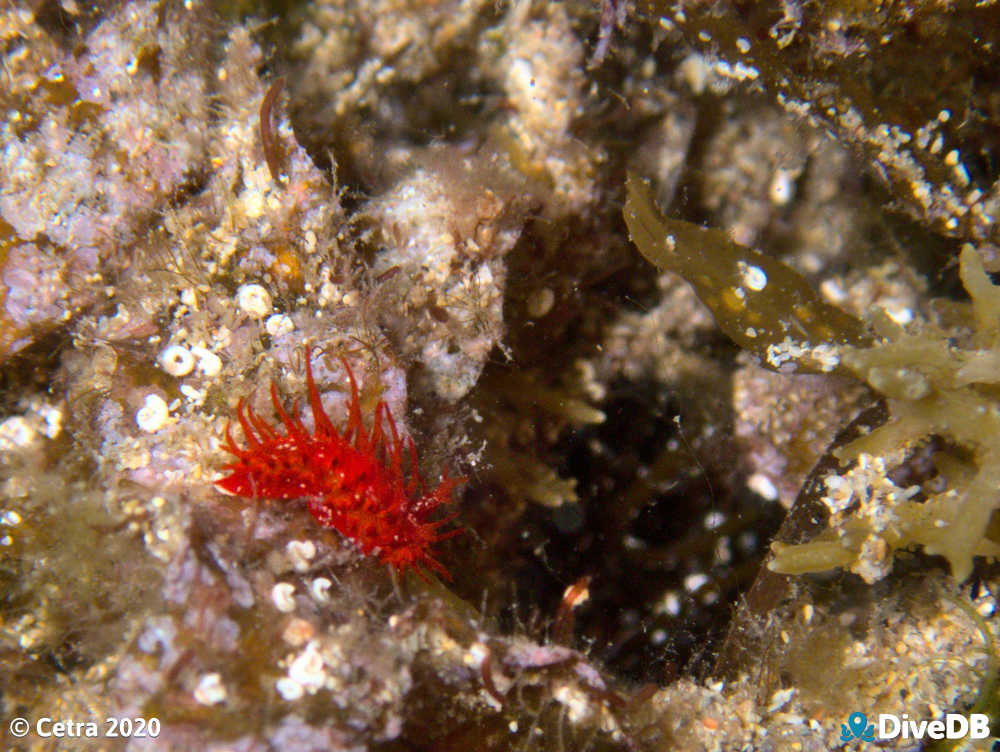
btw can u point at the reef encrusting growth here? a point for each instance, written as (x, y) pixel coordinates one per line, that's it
(192, 199)
(862, 71)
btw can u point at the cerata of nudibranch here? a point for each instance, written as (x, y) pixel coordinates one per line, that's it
(352, 479)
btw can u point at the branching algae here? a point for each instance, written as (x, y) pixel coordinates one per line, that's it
(938, 383)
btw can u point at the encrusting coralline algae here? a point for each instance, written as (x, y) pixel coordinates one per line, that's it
(190, 199)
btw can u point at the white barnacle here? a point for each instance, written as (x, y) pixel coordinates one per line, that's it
(209, 364)
(176, 360)
(254, 300)
(300, 554)
(153, 414)
(320, 589)
(283, 597)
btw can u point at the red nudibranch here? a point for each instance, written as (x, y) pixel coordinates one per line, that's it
(353, 479)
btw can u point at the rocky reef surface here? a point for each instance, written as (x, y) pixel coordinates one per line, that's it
(664, 282)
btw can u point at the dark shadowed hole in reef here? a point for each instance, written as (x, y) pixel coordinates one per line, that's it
(660, 599)
(644, 620)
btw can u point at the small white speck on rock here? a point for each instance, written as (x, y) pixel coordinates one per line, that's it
(289, 689)
(210, 690)
(278, 324)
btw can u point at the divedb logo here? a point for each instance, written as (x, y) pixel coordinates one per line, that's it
(952, 726)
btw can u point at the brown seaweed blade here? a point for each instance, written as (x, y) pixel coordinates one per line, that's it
(763, 305)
